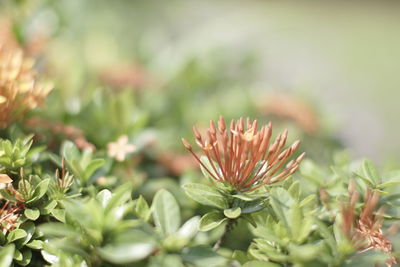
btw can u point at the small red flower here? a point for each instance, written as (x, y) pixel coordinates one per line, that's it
(243, 157)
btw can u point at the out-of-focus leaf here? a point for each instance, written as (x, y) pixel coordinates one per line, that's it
(142, 209)
(58, 230)
(104, 197)
(69, 151)
(306, 200)
(202, 256)
(260, 264)
(50, 258)
(294, 190)
(166, 212)
(295, 220)
(304, 253)
(126, 253)
(120, 196)
(370, 171)
(240, 256)
(94, 165)
(189, 228)
(6, 255)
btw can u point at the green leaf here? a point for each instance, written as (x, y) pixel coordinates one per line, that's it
(166, 212)
(93, 166)
(252, 206)
(233, 213)
(126, 253)
(294, 190)
(306, 200)
(8, 147)
(7, 195)
(368, 182)
(59, 214)
(260, 264)
(211, 220)
(205, 195)
(142, 209)
(243, 197)
(48, 207)
(18, 255)
(35, 244)
(304, 253)
(69, 151)
(121, 195)
(58, 230)
(295, 219)
(104, 197)
(202, 256)
(26, 257)
(15, 235)
(40, 190)
(370, 172)
(240, 256)
(387, 184)
(32, 214)
(310, 171)
(279, 202)
(174, 260)
(6, 255)
(67, 246)
(50, 258)
(29, 228)
(190, 228)
(249, 218)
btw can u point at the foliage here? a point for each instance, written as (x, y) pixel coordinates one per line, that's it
(97, 176)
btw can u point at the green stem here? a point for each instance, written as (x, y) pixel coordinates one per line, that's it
(228, 228)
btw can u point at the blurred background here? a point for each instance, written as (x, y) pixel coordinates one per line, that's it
(328, 71)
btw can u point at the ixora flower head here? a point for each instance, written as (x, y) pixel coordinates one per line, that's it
(365, 231)
(242, 156)
(19, 89)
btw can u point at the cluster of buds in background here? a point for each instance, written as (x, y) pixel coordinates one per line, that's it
(19, 89)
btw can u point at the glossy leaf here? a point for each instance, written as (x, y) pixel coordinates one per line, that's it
(32, 214)
(15, 235)
(211, 220)
(205, 195)
(233, 213)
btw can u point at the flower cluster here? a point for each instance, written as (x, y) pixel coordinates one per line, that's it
(365, 231)
(19, 89)
(243, 156)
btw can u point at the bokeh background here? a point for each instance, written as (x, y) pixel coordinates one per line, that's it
(328, 70)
